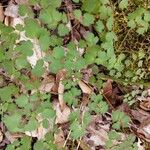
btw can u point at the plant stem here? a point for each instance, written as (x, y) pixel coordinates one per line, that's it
(138, 83)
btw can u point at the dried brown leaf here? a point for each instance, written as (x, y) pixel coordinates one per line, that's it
(59, 139)
(85, 88)
(144, 129)
(1, 136)
(1, 13)
(145, 104)
(21, 1)
(11, 11)
(107, 90)
(62, 116)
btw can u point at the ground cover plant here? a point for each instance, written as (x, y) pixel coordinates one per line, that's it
(74, 74)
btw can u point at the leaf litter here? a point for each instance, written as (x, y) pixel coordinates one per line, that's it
(97, 131)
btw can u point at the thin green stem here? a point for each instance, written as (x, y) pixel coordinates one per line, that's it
(138, 83)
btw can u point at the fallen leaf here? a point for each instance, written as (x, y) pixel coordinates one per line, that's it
(107, 90)
(1, 13)
(11, 11)
(140, 145)
(84, 87)
(21, 1)
(12, 137)
(41, 131)
(84, 146)
(1, 136)
(144, 129)
(139, 115)
(145, 104)
(97, 131)
(47, 84)
(59, 87)
(62, 116)
(59, 139)
(7, 21)
(60, 95)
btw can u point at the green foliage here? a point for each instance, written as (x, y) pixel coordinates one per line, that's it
(119, 120)
(13, 122)
(139, 20)
(23, 144)
(62, 30)
(90, 6)
(97, 104)
(128, 141)
(22, 101)
(100, 26)
(38, 70)
(78, 125)
(123, 4)
(88, 19)
(70, 97)
(91, 39)
(77, 39)
(24, 10)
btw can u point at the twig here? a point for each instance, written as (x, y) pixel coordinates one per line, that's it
(67, 139)
(79, 143)
(2, 6)
(108, 101)
(124, 39)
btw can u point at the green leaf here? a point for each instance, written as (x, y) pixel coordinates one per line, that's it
(50, 17)
(33, 2)
(104, 1)
(39, 145)
(32, 28)
(21, 62)
(123, 4)
(12, 122)
(44, 41)
(76, 1)
(7, 91)
(38, 70)
(63, 30)
(91, 54)
(86, 119)
(91, 39)
(46, 3)
(98, 105)
(31, 125)
(140, 30)
(110, 36)
(55, 66)
(22, 100)
(131, 24)
(88, 19)
(105, 12)
(25, 10)
(77, 130)
(58, 52)
(25, 143)
(78, 14)
(102, 58)
(48, 113)
(74, 115)
(147, 16)
(120, 119)
(99, 26)
(70, 96)
(25, 48)
(91, 6)
(109, 23)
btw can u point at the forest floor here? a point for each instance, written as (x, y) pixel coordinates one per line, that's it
(74, 74)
